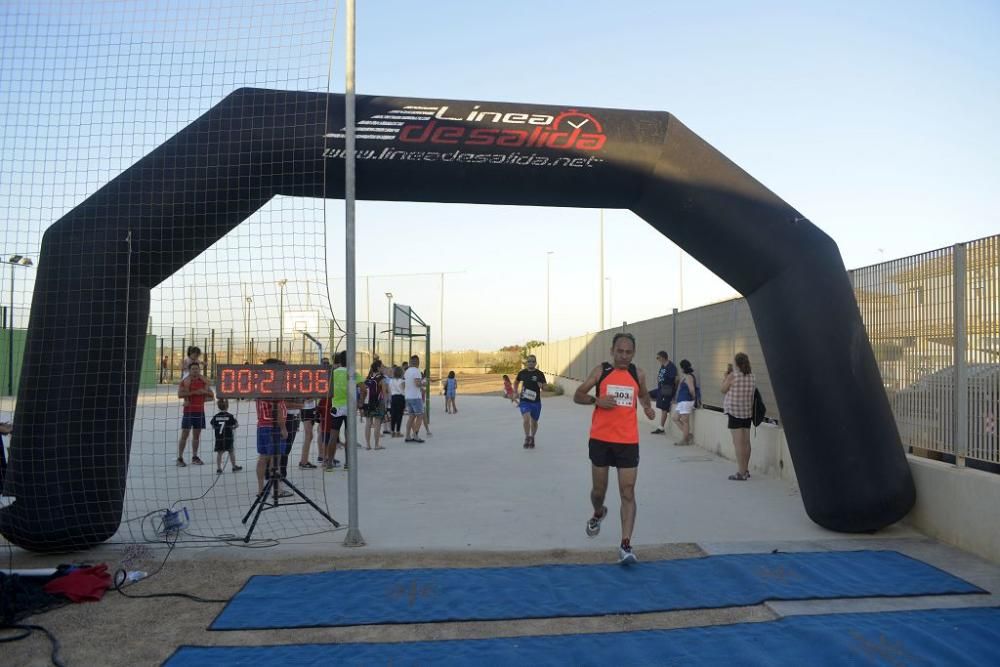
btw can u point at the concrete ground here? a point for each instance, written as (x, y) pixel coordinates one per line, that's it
(469, 496)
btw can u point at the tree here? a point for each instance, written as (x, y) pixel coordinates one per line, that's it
(529, 346)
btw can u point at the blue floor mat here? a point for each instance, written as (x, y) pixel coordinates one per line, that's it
(931, 637)
(362, 597)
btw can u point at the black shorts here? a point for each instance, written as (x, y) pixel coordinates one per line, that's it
(310, 415)
(663, 402)
(736, 422)
(614, 454)
(224, 444)
(336, 422)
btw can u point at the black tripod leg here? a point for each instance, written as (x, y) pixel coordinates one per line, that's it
(259, 500)
(309, 502)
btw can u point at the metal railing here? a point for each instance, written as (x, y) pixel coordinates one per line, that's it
(934, 323)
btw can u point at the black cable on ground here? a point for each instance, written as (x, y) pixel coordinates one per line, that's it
(27, 630)
(121, 576)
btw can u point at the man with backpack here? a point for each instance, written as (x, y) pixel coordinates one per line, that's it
(614, 435)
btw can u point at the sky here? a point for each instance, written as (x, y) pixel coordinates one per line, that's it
(875, 120)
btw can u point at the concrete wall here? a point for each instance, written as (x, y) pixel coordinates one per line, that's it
(959, 506)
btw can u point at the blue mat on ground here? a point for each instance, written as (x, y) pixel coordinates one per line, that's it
(928, 637)
(363, 597)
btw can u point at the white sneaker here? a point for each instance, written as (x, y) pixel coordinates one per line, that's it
(594, 523)
(626, 556)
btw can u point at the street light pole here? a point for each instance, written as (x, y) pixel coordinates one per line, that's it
(281, 315)
(548, 296)
(611, 311)
(246, 342)
(440, 335)
(388, 296)
(600, 279)
(14, 261)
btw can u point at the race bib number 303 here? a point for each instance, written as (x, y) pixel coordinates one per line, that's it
(624, 395)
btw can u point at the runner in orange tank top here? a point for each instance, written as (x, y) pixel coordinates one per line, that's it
(614, 435)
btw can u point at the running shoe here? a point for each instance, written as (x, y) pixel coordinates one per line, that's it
(197, 461)
(237, 468)
(306, 465)
(594, 522)
(218, 471)
(181, 464)
(626, 556)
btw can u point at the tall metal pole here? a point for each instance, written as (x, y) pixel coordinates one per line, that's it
(10, 338)
(353, 538)
(440, 335)
(960, 395)
(600, 321)
(680, 277)
(548, 298)
(611, 306)
(281, 314)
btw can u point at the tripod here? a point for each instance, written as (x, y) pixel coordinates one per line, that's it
(261, 502)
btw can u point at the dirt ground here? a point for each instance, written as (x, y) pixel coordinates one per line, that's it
(123, 631)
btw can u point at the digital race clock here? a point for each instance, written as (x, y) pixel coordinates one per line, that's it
(272, 381)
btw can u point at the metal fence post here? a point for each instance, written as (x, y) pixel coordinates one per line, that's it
(960, 398)
(673, 345)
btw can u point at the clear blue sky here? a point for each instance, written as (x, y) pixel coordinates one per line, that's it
(876, 120)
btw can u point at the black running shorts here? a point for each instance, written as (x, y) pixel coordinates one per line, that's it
(614, 454)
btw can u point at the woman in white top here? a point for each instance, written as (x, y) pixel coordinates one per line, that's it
(738, 386)
(397, 402)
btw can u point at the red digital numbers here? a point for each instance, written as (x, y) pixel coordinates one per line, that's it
(267, 380)
(291, 381)
(227, 381)
(323, 381)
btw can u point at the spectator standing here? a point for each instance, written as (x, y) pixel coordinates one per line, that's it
(413, 391)
(666, 383)
(374, 405)
(397, 402)
(6, 428)
(340, 384)
(686, 392)
(738, 386)
(193, 357)
(194, 390)
(272, 436)
(450, 389)
(223, 425)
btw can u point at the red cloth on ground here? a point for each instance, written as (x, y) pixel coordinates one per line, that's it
(86, 583)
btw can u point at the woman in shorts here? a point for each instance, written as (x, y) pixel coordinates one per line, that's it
(738, 386)
(686, 392)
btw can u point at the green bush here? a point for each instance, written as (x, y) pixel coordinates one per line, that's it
(509, 367)
(556, 389)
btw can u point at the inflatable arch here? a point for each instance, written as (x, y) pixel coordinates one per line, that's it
(99, 262)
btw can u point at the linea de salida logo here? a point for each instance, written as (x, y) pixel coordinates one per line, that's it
(443, 126)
